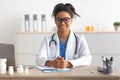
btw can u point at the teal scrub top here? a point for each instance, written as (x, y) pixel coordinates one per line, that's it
(63, 48)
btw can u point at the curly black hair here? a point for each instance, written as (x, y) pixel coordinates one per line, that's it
(64, 7)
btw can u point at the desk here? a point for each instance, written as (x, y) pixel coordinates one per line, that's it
(79, 73)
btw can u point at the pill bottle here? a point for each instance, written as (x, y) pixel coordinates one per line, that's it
(3, 65)
(26, 70)
(87, 28)
(92, 28)
(27, 22)
(20, 69)
(10, 70)
(43, 22)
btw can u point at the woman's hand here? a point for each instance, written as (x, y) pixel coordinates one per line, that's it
(59, 62)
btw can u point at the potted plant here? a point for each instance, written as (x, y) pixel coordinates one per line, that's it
(117, 25)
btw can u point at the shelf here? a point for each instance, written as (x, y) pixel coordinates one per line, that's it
(109, 32)
(34, 32)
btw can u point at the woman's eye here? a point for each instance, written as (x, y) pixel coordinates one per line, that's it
(66, 20)
(58, 20)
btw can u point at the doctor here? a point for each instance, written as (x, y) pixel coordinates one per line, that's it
(64, 49)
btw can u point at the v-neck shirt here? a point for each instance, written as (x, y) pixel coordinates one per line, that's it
(63, 48)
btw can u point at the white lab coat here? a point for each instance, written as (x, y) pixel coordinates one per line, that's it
(82, 58)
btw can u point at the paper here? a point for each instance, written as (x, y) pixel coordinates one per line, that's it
(51, 69)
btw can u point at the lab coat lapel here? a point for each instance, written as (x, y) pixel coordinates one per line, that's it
(70, 46)
(57, 47)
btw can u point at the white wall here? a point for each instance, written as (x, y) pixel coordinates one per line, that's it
(100, 13)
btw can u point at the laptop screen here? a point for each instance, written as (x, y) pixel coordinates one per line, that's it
(7, 51)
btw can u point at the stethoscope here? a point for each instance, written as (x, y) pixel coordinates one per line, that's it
(52, 40)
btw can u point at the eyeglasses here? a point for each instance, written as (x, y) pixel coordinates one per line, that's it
(65, 20)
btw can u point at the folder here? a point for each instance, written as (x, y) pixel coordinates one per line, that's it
(51, 69)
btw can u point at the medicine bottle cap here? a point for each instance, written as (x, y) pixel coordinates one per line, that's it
(20, 66)
(3, 60)
(10, 67)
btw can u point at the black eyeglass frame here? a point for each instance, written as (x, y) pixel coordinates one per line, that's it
(65, 20)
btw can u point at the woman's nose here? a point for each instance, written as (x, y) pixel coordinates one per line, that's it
(62, 22)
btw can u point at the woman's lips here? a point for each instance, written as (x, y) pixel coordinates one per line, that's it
(62, 27)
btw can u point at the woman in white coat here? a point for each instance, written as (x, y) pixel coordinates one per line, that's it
(64, 49)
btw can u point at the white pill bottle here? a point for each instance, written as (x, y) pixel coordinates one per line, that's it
(3, 65)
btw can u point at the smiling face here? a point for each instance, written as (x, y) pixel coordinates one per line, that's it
(63, 21)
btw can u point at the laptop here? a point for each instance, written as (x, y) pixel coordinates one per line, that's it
(7, 51)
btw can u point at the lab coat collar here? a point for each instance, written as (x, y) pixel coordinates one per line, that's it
(56, 38)
(69, 49)
(70, 46)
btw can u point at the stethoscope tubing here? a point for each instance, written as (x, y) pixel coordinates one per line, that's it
(52, 40)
